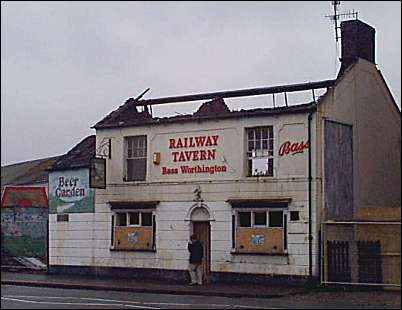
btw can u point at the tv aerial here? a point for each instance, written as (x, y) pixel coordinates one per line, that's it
(337, 16)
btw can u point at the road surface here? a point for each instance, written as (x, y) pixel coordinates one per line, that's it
(24, 297)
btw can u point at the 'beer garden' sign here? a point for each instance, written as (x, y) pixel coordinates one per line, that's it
(69, 192)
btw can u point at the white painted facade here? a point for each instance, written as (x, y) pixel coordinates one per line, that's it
(86, 239)
(359, 99)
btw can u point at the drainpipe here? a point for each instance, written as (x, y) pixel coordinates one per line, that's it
(310, 236)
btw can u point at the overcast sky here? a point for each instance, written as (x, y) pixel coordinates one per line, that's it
(66, 65)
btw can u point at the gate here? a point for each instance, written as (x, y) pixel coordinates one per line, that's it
(338, 261)
(370, 262)
(361, 253)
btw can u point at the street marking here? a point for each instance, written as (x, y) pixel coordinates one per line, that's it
(166, 303)
(127, 302)
(253, 307)
(211, 305)
(112, 300)
(75, 303)
(71, 297)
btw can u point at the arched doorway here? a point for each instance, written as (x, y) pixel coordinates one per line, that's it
(200, 222)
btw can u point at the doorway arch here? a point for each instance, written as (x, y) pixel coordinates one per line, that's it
(199, 217)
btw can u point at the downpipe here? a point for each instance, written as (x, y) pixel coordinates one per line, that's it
(310, 179)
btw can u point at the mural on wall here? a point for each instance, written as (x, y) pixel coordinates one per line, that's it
(24, 215)
(69, 192)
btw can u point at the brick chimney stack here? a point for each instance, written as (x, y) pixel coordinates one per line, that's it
(357, 41)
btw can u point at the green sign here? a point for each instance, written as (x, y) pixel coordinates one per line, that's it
(69, 192)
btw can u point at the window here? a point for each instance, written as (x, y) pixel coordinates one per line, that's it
(260, 151)
(136, 158)
(245, 219)
(134, 218)
(121, 219)
(138, 218)
(134, 230)
(276, 219)
(260, 231)
(146, 218)
(260, 218)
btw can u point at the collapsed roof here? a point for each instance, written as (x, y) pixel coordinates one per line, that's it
(128, 115)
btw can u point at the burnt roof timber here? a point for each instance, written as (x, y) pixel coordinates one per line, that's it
(239, 93)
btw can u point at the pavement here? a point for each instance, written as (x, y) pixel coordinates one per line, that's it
(24, 278)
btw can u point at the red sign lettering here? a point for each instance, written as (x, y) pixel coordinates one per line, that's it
(188, 142)
(293, 148)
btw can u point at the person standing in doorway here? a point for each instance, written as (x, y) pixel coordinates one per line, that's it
(196, 254)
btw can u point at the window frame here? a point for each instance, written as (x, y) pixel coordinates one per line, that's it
(252, 220)
(126, 212)
(129, 146)
(253, 224)
(129, 214)
(238, 219)
(116, 215)
(269, 219)
(236, 225)
(267, 153)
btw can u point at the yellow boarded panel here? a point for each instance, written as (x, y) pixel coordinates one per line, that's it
(133, 238)
(379, 214)
(259, 239)
(388, 235)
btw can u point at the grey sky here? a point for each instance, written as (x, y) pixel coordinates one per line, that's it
(66, 65)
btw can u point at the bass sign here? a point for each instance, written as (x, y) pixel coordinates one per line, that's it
(293, 148)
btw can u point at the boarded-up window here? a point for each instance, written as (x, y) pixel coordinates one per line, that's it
(338, 166)
(136, 158)
(134, 231)
(260, 231)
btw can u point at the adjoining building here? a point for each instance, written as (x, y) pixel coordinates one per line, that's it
(24, 210)
(262, 187)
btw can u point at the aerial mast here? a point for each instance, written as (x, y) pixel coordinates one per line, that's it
(338, 16)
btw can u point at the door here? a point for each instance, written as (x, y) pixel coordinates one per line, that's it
(203, 231)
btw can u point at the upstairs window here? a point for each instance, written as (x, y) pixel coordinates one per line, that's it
(260, 151)
(136, 158)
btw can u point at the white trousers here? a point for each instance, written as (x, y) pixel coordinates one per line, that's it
(195, 271)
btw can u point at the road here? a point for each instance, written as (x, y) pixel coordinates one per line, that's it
(24, 297)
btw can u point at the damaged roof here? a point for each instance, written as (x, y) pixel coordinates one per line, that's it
(128, 115)
(78, 157)
(215, 109)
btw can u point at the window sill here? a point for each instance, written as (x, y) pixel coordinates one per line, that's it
(258, 253)
(135, 181)
(132, 250)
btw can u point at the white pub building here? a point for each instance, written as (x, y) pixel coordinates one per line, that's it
(254, 184)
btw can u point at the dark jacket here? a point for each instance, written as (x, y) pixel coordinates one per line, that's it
(196, 252)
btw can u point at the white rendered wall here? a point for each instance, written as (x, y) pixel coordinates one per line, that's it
(85, 239)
